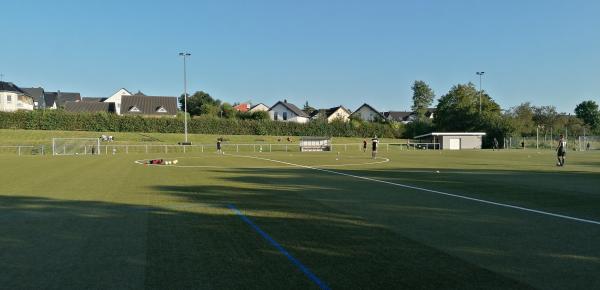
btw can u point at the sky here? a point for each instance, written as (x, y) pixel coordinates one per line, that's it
(328, 53)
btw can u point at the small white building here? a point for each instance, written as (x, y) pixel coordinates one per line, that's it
(453, 141)
(259, 107)
(116, 98)
(367, 113)
(13, 98)
(287, 112)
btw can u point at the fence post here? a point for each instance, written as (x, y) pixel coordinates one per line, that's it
(183, 148)
(166, 150)
(237, 148)
(19, 150)
(42, 147)
(270, 148)
(202, 148)
(126, 149)
(387, 146)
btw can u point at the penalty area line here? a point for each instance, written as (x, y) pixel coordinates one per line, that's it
(434, 191)
(280, 248)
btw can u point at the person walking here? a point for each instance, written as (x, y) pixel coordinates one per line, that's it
(364, 145)
(375, 146)
(561, 151)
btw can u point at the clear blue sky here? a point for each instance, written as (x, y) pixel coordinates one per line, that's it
(327, 52)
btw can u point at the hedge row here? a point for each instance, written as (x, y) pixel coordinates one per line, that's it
(103, 122)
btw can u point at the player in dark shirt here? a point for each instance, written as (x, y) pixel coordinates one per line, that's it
(219, 151)
(365, 145)
(561, 151)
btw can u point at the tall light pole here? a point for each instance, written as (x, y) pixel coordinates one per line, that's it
(185, 95)
(480, 74)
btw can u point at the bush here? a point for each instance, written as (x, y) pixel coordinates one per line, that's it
(256, 124)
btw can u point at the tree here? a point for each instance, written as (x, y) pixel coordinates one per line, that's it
(458, 111)
(522, 118)
(422, 98)
(196, 101)
(308, 109)
(588, 112)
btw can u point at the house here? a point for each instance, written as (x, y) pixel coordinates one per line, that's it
(259, 107)
(331, 114)
(243, 107)
(148, 106)
(399, 116)
(287, 112)
(406, 116)
(58, 99)
(13, 98)
(89, 107)
(39, 102)
(116, 98)
(453, 141)
(367, 113)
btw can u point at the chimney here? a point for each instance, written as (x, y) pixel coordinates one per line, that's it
(285, 100)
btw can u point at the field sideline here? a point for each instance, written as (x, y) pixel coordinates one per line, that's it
(107, 222)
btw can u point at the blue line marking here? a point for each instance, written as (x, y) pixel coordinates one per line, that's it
(275, 244)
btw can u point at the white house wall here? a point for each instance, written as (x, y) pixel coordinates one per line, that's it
(18, 102)
(291, 116)
(366, 113)
(259, 107)
(339, 114)
(116, 98)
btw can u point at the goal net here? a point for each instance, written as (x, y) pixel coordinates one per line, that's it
(75, 146)
(315, 144)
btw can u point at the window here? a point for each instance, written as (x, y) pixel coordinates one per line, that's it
(275, 116)
(134, 109)
(8, 99)
(161, 110)
(285, 116)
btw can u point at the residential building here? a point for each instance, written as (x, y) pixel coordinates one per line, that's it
(13, 98)
(89, 107)
(39, 102)
(117, 99)
(331, 114)
(58, 99)
(259, 107)
(243, 107)
(367, 113)
(148, 106)
(287, 112)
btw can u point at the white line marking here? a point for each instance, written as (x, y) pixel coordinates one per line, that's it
(144, 162)
(432, 191)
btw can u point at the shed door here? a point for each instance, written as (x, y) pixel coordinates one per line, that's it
(455, 144)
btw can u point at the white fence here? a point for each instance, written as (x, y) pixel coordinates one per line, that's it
(110, 149)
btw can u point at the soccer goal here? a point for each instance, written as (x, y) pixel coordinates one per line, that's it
(315, 144)
(75, 146)
(589, 143)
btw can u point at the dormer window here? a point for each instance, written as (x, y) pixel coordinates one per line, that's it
(134, 109)
(161, 109)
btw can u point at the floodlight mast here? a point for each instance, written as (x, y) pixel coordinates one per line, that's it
(480, 74)
(185, 95)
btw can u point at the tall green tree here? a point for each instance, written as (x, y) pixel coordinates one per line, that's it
(199, 99)
(458, 111)
(588, 112)
(522, 118)
(422, 98)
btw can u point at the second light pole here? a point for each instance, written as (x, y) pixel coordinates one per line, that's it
(185, 130)
(480, 74)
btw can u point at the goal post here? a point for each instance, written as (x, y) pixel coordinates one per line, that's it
(76, 146)
(311, 143)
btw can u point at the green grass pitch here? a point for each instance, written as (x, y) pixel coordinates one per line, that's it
(105, 222)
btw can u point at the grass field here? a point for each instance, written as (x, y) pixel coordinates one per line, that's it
(107, 222)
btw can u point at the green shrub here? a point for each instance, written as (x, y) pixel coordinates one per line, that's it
(256, 124)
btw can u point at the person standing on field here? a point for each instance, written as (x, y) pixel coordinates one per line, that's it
(561, 151)
(364, 145)
(219, 151)
(375, 146)
(496, 146)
